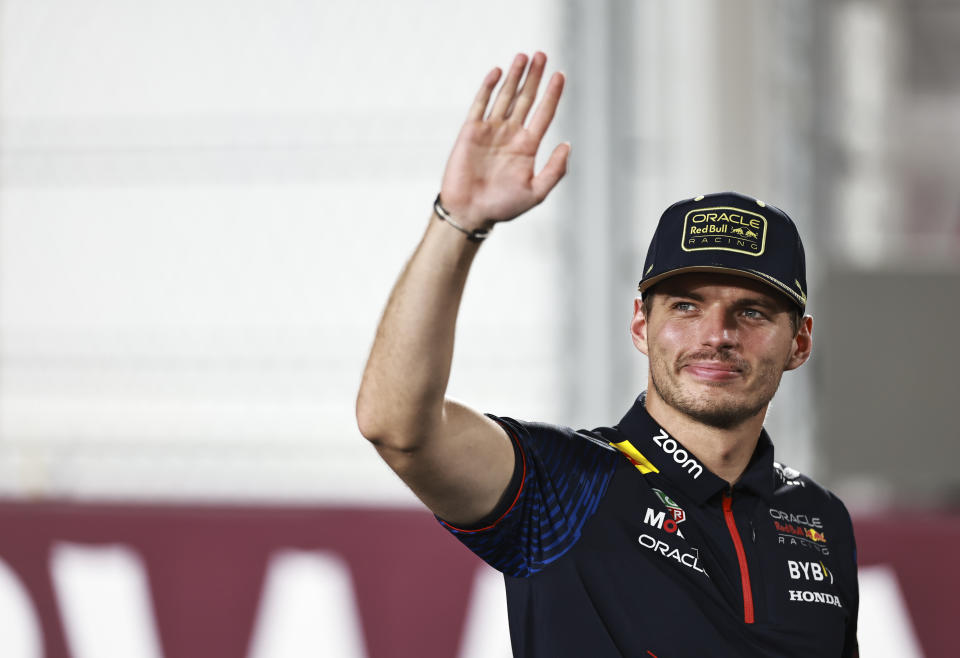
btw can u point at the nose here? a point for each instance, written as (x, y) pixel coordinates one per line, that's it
(718, 328)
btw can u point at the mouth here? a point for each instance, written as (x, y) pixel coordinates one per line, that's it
(713, 371)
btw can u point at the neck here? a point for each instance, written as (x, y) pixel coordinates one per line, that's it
(725, 451)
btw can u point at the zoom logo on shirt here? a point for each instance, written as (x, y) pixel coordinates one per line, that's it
(672, 448)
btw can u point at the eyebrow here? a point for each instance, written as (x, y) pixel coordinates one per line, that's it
(767, 303)
(683, 293)
(757, 301)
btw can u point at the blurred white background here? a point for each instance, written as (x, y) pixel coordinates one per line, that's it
(203, 208)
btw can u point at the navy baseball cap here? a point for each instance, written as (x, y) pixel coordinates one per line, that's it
(728, 233)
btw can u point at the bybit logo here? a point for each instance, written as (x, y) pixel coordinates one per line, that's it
(801, 570)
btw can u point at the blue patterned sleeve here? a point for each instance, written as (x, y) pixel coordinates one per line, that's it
(560, 478)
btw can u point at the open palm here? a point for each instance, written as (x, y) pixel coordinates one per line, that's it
(490, 174)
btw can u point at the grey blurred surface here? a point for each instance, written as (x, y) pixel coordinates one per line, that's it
(886, 382)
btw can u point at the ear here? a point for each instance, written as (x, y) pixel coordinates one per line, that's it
(638, 326)
(802, 344)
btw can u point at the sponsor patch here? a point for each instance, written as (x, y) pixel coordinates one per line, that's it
(660, 521)
(790, 476)
(798, 531)
(799, 519)
(690, 560)
(815, 597)
(803, 570)
(724, 228)
(680, 456)
(678, 514)
(791, 540)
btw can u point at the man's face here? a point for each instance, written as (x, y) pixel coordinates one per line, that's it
(717, 345)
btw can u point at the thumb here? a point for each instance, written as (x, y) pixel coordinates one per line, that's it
(552, 172)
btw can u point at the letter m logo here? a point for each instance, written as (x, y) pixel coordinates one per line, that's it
(654, 518)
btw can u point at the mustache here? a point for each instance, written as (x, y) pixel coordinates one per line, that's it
(715, 355)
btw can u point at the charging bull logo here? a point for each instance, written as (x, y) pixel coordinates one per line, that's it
(799, 531)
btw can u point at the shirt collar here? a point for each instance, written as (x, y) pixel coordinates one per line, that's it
(760, 476)
(653, 449)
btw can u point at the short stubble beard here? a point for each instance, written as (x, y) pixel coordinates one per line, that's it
(719, 413)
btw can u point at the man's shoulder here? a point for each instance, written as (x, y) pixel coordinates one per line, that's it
(541, 431)
(795, 488)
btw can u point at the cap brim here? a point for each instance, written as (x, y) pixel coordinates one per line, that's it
(779, 286)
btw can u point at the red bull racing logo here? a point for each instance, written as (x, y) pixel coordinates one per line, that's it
(809, 533)
(797, 529)
(724, 229)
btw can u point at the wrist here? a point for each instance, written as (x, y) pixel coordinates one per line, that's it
(446, 247)
(471, 234)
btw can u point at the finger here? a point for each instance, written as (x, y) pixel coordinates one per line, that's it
(524, 100)
(552, 172)
(543, 115)
(483, 95)
(509, 88)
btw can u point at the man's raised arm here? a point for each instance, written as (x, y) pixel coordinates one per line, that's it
(456, 460)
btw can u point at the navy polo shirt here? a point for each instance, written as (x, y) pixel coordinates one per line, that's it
(619, 542)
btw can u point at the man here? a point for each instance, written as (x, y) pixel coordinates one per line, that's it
(672, 533)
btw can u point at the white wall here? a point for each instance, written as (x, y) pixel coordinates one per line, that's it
(203, 206)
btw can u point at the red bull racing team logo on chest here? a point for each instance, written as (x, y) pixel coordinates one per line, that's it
(799, 530)
(725, 229)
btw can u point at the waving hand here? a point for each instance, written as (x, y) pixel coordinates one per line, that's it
(490, 175)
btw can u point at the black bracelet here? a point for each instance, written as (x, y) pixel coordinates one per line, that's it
(476, 235)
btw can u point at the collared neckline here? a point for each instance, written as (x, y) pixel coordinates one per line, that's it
(759, 476)
(664, 454)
